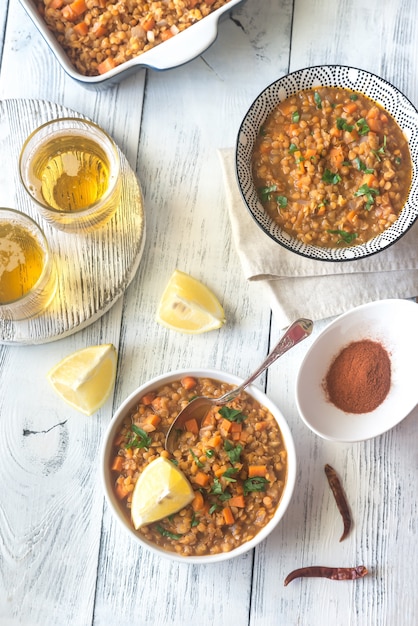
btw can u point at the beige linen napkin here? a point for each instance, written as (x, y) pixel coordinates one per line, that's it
(296, 286)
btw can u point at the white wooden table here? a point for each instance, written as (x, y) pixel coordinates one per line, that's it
(63, 559)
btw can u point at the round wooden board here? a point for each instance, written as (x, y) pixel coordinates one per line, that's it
(94, 269)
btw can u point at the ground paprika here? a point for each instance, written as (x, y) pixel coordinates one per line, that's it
(359, 378)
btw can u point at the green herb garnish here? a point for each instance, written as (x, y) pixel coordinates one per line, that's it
(210, 453)
(368, 193)
(362, 166)
(363, 127)
(229, 474)
(330, 178)
(166, 533)
(295, 117)
(345, 236)
(318, 100)
(282, 202)
(293, 148)
(195, 459)
(233, 452)
(342, 124)
(381, 151)
(232, 415)
(257, 483)
(354, 97)
(266, 193)
(139, 438)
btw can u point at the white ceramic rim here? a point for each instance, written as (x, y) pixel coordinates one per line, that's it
(310, 398)
(378, 89)
(128, 405)
(178, 50)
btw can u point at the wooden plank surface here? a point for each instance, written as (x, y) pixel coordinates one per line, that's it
(63, 559)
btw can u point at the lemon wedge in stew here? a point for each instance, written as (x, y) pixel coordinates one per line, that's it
(189, 306)
(85, 378)
(161, 490)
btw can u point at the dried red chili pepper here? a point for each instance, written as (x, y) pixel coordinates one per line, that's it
(334, 573)
(339, 495)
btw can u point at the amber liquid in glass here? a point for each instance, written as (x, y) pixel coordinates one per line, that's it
(74, 172)
(21, 262)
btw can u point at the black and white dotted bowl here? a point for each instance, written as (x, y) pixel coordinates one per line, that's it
(376, 88)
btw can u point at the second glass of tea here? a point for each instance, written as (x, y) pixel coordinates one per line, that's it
(71, 169)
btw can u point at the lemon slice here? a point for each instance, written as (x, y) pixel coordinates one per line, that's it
(161, 490)
(84, 379)
(188, 306)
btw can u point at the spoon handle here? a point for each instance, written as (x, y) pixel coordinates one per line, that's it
(299, 330)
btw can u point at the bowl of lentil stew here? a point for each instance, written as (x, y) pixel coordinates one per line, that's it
(99, 43)
(326, 163)
(357, 381)
(241, 464)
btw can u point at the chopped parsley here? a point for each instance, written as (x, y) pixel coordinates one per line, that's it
(330, 178)
(362, 166)
(166, 533)
(295, 117)
(233, 452)
(363, 127)
(139, 439)
(196, 460)
(342, 124)
(232, 415)
(266, 193)
(344, 235)
(318, 100)
(282, 202)
(368, 193)
(257, 483)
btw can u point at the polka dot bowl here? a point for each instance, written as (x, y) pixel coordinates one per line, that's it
(376, 88)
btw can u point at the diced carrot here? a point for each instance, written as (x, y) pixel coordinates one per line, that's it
(72, 11)
(236, 427)
(370, 180)
(151, 422)
(215, 441)
(192, 3)
(201, 479)
(309, 153)
(220, 471)
(105, 66)
(166, 34)
(148, 23)
(122, 491)
(55, 4)
(198, 501)
(188, 382)
(226, 425)
(208, 420)
(351, 215)
(257, 470)
(157, 403)
(261, 425)
(236, 436)
(81, 29)
(350, 107)
(228, 517)
(117, 463)
(148, 398)
(336, 156)
(238, 501)
(192, 426)
(375, 124)
(98, 30)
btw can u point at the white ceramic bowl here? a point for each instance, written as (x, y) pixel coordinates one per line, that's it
(376, 88)
(127, 406)
(393, 324)
(181, 49)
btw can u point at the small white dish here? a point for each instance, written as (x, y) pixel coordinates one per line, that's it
(392, 323)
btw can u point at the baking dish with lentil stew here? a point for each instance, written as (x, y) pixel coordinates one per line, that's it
(100, 42)
(241, 464)
(325, 162)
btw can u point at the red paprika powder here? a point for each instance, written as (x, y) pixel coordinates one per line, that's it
(359, 378)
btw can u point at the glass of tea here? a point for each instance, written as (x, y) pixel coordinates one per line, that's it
(71, 169)
(27, 271)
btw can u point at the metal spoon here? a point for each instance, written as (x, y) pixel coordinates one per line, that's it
(198, 407)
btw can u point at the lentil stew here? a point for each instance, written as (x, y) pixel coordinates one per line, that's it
(236, 463)
(332, 167)
(98, 35)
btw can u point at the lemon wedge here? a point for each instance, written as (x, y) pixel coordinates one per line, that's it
(85, 378)
(161, 490)
(189, 306)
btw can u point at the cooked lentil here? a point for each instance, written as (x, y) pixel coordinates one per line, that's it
(237, 463)
(98, 35)
(332, 167)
